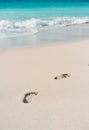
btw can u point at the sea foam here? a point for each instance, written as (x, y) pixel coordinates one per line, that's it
(32, 26)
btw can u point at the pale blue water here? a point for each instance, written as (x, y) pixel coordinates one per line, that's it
(27, 10)
(20, 18)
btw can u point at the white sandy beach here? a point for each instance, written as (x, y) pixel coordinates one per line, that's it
(61, 104)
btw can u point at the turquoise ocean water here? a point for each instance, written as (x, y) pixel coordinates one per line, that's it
(19, 18)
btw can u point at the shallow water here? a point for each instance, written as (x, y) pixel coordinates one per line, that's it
(68, 34)
(39, 22)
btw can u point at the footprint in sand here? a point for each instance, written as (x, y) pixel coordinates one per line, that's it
(62, 76)
(28, 96)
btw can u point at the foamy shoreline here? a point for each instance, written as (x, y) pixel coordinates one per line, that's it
(46, 36)
(60, 104)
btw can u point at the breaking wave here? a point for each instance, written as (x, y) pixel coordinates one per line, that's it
(32, 26)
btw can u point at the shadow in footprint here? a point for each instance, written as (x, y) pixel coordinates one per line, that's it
(62, 76)
(28, 97)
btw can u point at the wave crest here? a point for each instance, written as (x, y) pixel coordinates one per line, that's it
(33, 25)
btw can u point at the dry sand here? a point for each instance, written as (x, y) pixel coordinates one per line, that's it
(60, 104)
